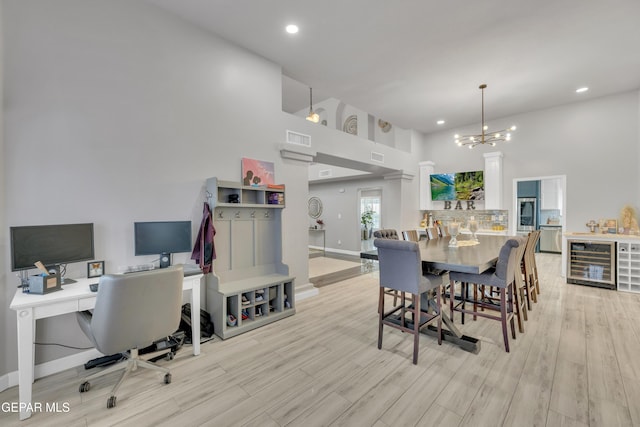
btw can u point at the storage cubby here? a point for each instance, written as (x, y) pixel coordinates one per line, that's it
(249, 280)
(246, 196)
(227, 299)
(629, 267)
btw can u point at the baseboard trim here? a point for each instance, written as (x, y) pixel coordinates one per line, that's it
(51, 367)
(306, 291)
(4, 382)
(343, 252)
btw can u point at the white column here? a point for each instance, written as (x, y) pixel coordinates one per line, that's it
(426, 169)
(493, 180)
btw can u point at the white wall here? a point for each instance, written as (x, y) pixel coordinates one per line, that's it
(5, 330)
(117, 112)
(594, 143)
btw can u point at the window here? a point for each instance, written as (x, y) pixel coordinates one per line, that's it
(371, 200)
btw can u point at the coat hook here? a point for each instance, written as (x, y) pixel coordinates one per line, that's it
(220, 214)
(253, 214)
(237, 214)
(266, 214)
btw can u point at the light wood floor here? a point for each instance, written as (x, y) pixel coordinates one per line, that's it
(578, 363)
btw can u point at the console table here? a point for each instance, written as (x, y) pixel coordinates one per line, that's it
(324, 238)
(73, 297)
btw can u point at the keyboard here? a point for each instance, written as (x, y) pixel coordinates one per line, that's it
(93, 287)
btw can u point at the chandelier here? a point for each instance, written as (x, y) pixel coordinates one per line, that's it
(484, 137)
(312, 116)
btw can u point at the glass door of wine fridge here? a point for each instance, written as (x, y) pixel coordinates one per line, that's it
(591, 263)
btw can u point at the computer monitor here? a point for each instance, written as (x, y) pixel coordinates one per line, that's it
(163, 238)
(53, 245)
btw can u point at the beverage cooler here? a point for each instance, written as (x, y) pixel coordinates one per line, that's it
(591, 263)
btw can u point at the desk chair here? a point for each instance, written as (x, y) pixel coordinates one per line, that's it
(401, 270)
(502, 277)
(133, 311)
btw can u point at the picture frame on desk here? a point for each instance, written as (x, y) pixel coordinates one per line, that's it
(611, 226)
(95, 269)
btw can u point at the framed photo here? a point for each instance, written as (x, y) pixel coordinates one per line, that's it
(95, 269)
(611, 226)
(257, 172)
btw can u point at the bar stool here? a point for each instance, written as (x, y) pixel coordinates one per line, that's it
(388, 233)
(401, 270)
(531, 287)
(410, 235)
(432, 233)
(502, 276)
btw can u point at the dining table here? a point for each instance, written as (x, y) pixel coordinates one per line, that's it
(467, 256)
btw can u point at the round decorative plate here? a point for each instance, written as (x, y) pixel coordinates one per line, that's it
(315, 207)
(351, 125)
(384, 126)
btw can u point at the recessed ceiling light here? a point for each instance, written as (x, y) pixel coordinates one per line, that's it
(582, 89)
(291, 29)
(440, 122)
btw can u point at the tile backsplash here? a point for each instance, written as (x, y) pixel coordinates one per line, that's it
(487, 219)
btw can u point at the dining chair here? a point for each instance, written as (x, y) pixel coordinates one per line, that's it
(443, 231)
(529, 270)
(410, 235)
(401, 270)
(502, 277)
(520, 305)
(432, 233)
(388, 233)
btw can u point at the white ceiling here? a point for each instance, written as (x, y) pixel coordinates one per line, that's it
(413, 62)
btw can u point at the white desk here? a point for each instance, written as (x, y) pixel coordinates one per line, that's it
(73, 297)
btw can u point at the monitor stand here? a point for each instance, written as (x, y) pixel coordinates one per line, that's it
(165, 260)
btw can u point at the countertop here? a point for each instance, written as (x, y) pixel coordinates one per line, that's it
(602, 236)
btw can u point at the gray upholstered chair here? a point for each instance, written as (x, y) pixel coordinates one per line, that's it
(386, 233)
(401, 270)
(133, 311)
(502, 277)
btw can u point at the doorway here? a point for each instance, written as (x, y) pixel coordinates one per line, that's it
(370, 201)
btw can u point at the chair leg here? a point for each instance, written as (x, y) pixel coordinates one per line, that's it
(510, 309)
(503, 317)
(452, 298)
(417, 314)
(518, 307)
(380, 316)
(439, 295)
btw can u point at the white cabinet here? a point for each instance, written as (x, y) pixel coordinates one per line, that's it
(629, 267)
(551, 194)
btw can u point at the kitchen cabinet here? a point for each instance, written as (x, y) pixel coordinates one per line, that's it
(550, 194)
